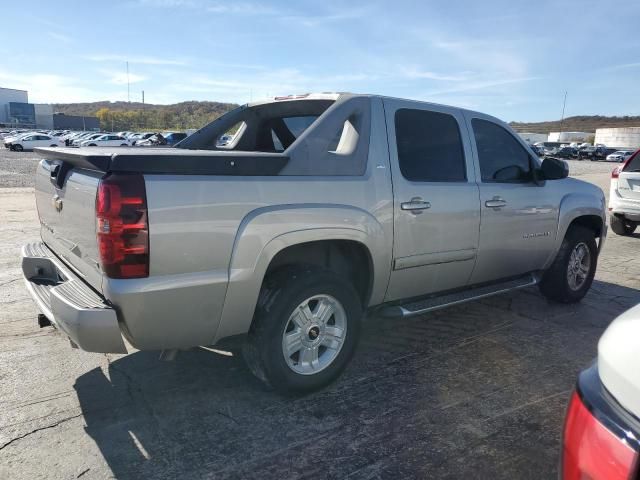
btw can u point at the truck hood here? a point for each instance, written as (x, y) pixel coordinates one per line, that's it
(619, 359)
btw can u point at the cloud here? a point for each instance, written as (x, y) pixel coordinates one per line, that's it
(121, 78)
(143, 60)
(623, 66)
(481, 85)
(242, 8)
(415, 73)
(49, 88)
(59, 37)
(167, 3)
(309, 20)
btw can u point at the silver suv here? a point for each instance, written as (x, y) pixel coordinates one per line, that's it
(316, 209)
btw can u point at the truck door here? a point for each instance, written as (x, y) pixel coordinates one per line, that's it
(519, 218)
(436, 206)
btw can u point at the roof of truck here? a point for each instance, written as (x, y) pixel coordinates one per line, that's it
(336, 95)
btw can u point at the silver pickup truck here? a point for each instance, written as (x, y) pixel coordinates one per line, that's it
(282, 222)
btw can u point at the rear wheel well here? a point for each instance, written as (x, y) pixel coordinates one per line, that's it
(591, 222)
(347, 258)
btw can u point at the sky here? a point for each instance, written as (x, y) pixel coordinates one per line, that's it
(509, 58)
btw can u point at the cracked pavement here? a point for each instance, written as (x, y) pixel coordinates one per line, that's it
(478, 390)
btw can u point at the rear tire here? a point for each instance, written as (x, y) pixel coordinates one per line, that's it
(622, 226)
(571, 274)
(302, 310)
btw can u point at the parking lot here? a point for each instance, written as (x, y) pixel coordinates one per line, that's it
(474, 391)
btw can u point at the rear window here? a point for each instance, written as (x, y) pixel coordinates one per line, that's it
(634, 163)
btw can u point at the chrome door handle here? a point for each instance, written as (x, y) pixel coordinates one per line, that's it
(495, 202)
(416, 203)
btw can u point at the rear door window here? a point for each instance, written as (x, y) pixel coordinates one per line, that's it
(429, 146)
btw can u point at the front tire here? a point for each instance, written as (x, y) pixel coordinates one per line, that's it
(17, 148)
(305, 329)
(570, 276)
(622, 226)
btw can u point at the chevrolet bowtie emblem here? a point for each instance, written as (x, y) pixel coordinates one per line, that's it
(56, 201)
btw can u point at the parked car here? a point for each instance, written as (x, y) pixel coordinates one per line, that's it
(538, 150)
(601, 438)
(12, 137)
(84, 137)
(153, 141)
(566, 152)
(33, 140)
(140, 136)
(619, 156)
(595, 153)
(108, 140)
(174, 137)
(624, 196)
(224, 140)
(323, 207)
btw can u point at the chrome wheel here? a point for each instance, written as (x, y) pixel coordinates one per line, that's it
(579, 266)
(314, 334)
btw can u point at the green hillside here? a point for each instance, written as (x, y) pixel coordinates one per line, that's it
(137, 116)
(577, 124)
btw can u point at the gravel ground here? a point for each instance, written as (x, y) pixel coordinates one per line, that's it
(474, 391)
(17, 168)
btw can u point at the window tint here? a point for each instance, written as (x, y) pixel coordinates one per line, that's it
(502, 158)
(429, 146)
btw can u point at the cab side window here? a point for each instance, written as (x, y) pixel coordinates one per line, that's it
(502, 158)
(429, 146)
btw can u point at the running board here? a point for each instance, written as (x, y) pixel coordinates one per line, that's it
(434, 303)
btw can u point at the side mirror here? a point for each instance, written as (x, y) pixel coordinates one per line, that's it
(554, 169)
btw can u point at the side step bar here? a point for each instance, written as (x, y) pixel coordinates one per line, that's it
(435, 303)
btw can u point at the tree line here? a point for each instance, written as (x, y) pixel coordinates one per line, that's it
(117, 116)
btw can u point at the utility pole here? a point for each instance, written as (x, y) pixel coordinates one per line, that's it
(128, 85)
(564, 104)
(143, 119)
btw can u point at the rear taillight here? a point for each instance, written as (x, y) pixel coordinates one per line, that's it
(122, 226)
(590, 450)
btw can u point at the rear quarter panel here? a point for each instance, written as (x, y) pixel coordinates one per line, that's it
(211, 239)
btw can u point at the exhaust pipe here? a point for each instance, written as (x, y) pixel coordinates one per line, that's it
(43, 321)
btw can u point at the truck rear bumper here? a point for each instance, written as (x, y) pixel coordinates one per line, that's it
(71, 305)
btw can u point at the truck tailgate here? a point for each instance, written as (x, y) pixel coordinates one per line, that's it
(65, 197)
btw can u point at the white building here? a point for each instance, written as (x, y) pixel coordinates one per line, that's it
(626, 137)
(569, 136)
(10, 95)
(532, 138)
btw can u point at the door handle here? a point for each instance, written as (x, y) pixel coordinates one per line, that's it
(416, 204)
(495, 202)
